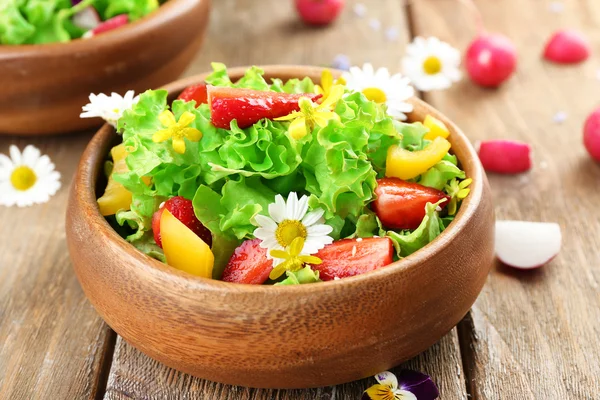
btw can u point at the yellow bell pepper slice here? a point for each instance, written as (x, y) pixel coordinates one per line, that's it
(436, 128)
(115, 197)
(405, 164)
(183, 249)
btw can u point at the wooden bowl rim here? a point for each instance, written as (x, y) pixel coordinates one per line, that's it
(163, 14)
(91, 157)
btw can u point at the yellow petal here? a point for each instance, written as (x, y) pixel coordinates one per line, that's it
(161, 135)
(335, 94)
(326, 79)
(167, 118)
(179, 145)
(463, 193)
(296, 246)
(290, 117)
(311, 260)
(323, 117)
(319, 90)
(192, 134)
(298, 128)
(465, 183)
(186, 119)
(380, 392)
(278, 271)
(279, 254)
(452, 206)
(340, 81)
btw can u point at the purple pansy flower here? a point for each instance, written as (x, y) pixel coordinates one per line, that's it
(409, 385)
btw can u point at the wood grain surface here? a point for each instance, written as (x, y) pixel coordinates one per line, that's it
(534, 334)
(531, 335)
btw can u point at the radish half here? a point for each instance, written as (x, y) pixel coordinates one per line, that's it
(527, 245)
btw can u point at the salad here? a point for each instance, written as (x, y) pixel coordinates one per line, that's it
(48, 21)
(272, 182)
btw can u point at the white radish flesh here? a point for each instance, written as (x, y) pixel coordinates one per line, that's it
(527, 245)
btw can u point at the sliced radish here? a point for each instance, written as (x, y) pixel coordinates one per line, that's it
(87, 18)
(527, 245)
(505, 156)
(567, 47)
(108, 25)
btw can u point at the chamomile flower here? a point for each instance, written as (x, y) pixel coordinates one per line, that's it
(431, 64)
(383, 88)
(289, 220)
(109, 108)
(27, 178)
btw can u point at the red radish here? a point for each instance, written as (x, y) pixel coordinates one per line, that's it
(319, 12)
(87, 18)
(527, 245)
(108, 25)
(183, 210)
(591, 134)
(505, 156)
(491, 59)
(567, 47)
(248, 264)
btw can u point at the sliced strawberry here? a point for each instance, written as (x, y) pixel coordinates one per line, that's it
(349, 257)
(401, 205)
(183, 210)
(195, 92)
(249, 106)
(248, 264)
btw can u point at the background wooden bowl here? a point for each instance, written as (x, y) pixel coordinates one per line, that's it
(45, 86)
(281, 336)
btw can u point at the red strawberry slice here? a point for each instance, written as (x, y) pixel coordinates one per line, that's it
(401, 204)
(183, 210)
(249, 106)
(195, 92)
(349, 257)
(248, 264)
(567, 47)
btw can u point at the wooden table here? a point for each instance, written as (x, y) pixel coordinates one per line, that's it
(531, 335)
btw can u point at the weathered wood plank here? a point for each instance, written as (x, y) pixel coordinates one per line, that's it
(269, 38)
(534, 334)
(136, 376)
(52, 342)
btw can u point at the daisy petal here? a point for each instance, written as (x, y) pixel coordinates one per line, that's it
(302, 208)
(291, 205)
(319, 230)
(312, 217)
(277, 209)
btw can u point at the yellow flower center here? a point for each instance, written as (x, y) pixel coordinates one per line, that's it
(288, 230)
(375, 94)
(23, 178)
(432, 65)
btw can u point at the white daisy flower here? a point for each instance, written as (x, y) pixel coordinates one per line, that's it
(27, 178)
(380, 87)
(289, 220)
(431, 64)
(109, 108)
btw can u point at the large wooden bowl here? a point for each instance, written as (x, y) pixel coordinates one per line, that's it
(45, 86)
(282, 336)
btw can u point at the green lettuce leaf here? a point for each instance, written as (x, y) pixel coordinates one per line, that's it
(430, 228)
(440, 174)
(305, 275)
(148, 246)
(14, 28)
(135, 9)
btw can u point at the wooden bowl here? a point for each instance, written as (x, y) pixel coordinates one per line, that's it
(45, 86)
(282, 336)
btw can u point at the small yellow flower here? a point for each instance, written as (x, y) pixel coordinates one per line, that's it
(293, 260)
(327, 82)
(387, 388)
(457, 192)
(312, 114)
(177, 130)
